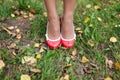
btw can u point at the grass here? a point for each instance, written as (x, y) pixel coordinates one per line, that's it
(52, 62)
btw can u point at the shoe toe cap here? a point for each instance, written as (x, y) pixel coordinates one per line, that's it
(68, 44)
(53, 44)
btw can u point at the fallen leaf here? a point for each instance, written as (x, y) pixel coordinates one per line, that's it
(11, 27)
(31, 16)
(117, 65)
(25, 16)
(21, 12)
(12, 45)
(78, 29)
(8, 31)
(2, 19)
(80, 32)
(14, 8)
(62, 78)
(74, 52)
(18, 30)
(36, 45)
(25, 77)
(94, 65)
(108, 78)
(14, 53)
(2, 64)
(42, 40)
(99, 19)
(13, 15)
(72, 57)
(19, 36)
(91, 25)
(17, 13)
(35, 70)
(29, 60)
(109, 63)
(88, 6)
(41, 50)
(88, 70)
(38, 56)
(66, 77)
(28, 6)
(97, 7)
(67, 66)
(91, 43)
(113, 39)
(32, 11)
(87, 19)
(84, 59)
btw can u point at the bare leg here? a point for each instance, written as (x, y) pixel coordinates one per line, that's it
(67, 19)
(53, 19)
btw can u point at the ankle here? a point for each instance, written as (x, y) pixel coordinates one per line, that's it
(53, 19)
(67, 21)
(67, 17)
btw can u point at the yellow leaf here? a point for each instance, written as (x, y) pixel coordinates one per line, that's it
(108, 78)
(2, 64)
(13, 15)
(35, 70)
(87, 19)
(66, 77)
(19, 36)
(25, 77)
(62, 78)
(68, 65)
(91, 25)
(113, 39)
(84, 59)
(36, 45)
(117, 65)
(38, 56)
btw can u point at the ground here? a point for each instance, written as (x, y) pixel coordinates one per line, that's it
(95, 56)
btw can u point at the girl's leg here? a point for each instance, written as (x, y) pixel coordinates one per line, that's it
(67, 19)
(53, 19)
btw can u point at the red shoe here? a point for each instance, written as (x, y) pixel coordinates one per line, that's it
(53, 44)
(68, 43)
